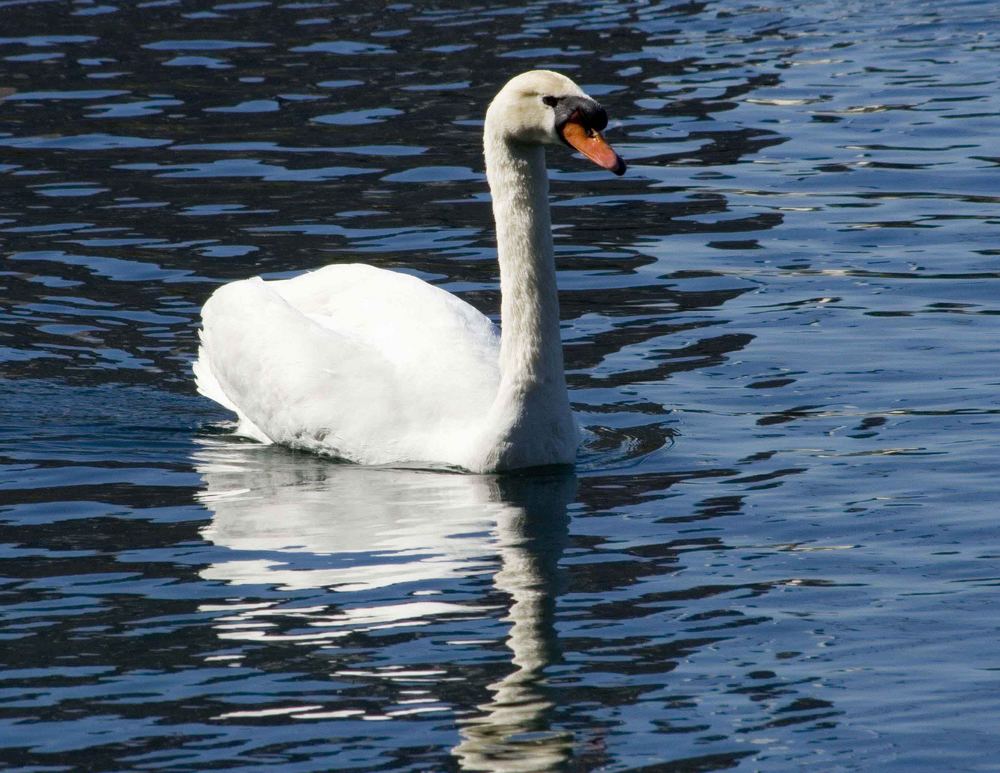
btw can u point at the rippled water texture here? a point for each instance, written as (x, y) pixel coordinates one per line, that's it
(780, 548)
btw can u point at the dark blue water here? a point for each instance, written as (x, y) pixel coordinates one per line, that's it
(780, 549)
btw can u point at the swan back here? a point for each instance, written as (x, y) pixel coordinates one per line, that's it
(370, 365)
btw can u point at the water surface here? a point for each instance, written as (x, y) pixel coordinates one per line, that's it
(779, 549)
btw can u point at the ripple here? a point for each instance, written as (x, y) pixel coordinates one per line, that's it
(43, 41)
(250, 106)
(113, 268)
(344, 48)
(246, 168)
(429, 174)
(208, 62)
(203, 45)
(83, 142)
(779, 330)
(80, 94)
(358, 117)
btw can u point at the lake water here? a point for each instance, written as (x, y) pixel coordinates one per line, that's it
(780, 547)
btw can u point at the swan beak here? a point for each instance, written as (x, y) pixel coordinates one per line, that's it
(593, 146)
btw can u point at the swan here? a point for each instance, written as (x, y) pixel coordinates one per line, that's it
(381, 368)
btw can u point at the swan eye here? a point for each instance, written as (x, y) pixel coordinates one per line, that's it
(551, 101)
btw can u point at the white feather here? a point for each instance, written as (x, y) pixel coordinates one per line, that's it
(370, 365)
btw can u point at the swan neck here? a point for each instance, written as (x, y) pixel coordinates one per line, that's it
(530, 346)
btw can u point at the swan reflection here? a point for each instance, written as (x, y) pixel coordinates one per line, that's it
(297, 522)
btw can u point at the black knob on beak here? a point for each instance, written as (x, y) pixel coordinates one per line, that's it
(581, 110)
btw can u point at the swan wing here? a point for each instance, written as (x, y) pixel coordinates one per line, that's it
(371, 365)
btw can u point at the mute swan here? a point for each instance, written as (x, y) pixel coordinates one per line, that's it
(379, 367)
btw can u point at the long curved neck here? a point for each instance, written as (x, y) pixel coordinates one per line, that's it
(530, 348)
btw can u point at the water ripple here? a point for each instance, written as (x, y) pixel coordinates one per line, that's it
(778, 549)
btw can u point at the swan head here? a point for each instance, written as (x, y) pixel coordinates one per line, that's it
(542, 107)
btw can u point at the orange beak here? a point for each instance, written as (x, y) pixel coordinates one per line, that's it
(593, 146)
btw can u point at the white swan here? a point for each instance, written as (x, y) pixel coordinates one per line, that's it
(379, 367)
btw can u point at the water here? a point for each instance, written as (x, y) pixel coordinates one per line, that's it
(780, 547)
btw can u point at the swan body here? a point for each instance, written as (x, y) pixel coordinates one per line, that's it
(379, 367)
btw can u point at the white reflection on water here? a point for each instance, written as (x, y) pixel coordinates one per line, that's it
(310, 523)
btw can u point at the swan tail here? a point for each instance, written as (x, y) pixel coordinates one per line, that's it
(205, 381)
(208, 385)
